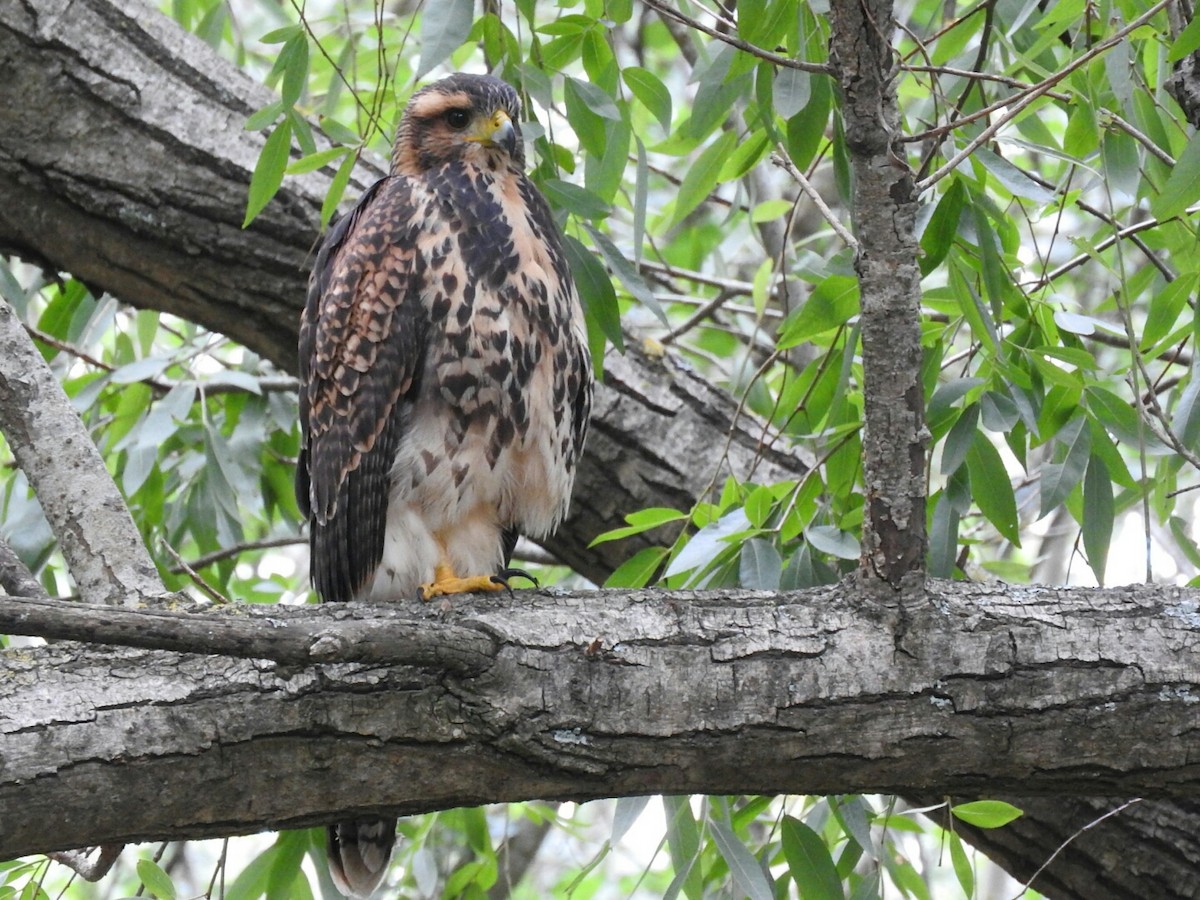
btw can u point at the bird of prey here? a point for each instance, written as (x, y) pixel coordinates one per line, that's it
(445, 378)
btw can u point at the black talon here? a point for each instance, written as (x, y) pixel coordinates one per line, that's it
(503, 576)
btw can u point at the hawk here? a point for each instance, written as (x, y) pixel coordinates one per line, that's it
(445, 378)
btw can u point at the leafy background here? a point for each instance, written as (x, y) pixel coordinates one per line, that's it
(685, 148)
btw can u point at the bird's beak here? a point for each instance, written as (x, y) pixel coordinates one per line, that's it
(498, 130)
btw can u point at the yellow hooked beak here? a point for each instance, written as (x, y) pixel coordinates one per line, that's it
(497, 130)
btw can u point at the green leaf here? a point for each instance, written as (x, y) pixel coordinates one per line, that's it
(445, 25)
(760, 566)
(962, 865)
(992, 489)
(317, 160)
(589, 127)
(747, 874)
(958, 442)
(708, 543)
(268, 173)
(627, 273)
(595, 98)
(830, 306)
(268, 114)
(1166, 305)
(578, 201)
(986, 813)
(157, 881)
(702, 177)
(627, 811)
(595, 292)
(1098, 515)
(943, 538)
(285, 873)
(806, 130)
(996, 279)
(1187, 43)
(650, 92)
(293, 61)
(683, 842)
(1059, 479)
(810, 862)
(642, 520)
(942, 228)
(1183, 185)
(1082, 136)
(745, 156)
(280, 35)
(832, 540)
(792, 90)
(1017, 182)
(337, 188)
(1120, 418)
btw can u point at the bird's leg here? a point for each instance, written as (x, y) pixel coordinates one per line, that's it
(445, 582)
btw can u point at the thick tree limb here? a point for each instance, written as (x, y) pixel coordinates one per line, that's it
(103, 548)
(980, 690)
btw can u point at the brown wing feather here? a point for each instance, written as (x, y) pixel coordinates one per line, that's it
(362, 345)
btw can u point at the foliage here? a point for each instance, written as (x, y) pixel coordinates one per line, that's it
(1059, 271)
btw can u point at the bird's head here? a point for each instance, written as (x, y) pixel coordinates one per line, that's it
(463, 117)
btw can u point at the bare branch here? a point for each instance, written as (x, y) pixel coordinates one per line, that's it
(103, 548)
(15, 577)
(786, 62)
(89, 869)
(284, 634)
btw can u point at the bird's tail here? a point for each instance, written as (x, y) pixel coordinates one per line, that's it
(359, 852)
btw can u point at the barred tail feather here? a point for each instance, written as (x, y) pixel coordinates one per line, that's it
(359, 853)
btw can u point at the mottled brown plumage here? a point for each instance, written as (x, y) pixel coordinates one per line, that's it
(445, 376)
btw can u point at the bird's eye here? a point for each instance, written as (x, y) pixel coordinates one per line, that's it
(457, 119)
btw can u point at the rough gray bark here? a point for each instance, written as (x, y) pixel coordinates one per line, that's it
(137, 183)
(160, 227)
(885, 205)
(103, 547)
(979, 689)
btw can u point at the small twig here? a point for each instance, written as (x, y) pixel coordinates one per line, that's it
(1082, 258)
(782, 160)
(266, 384)
(88, 869)
(1005, 80)
(225, 553)
(1061, 847)
(197, 579)
(785, 61)
(704, 312)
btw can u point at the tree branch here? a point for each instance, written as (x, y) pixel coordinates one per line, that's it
(894, 433)
(980, 688)
(282, 634)
(103, 547)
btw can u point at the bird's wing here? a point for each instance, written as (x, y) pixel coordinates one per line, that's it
(362, 347)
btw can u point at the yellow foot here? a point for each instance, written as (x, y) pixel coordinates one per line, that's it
(445, 582)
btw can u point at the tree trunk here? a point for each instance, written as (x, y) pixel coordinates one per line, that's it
(136, 183)
(885, 207)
